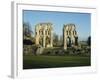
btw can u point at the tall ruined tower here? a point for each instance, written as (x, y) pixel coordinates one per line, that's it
(44, 35)
(70, 37)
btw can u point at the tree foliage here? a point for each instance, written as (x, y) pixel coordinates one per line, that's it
(27, 32)
(55, 39)
(89, 40)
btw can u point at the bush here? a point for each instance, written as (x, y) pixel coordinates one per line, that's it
(27, 50)
(53, 51)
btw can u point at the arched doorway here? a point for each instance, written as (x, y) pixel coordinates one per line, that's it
(41, 41)
(68, 41)
(47, 41)
(76, 41)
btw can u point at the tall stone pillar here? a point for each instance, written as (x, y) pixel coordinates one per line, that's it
(51, 41)
(44, 38)
(37, 37)
(65, 40)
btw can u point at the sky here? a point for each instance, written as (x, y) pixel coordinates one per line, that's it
(58, 19)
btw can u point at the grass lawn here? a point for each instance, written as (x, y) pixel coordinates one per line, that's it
(33, 62)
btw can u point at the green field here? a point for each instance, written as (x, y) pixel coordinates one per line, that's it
(33, 62)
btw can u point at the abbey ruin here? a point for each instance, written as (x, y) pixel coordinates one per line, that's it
(44, 35)
(70, 37)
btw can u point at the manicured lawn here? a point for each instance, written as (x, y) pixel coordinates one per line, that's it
(33, 62)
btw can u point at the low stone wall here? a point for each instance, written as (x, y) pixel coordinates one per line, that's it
(38, 50)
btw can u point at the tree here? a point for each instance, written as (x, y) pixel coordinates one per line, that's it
(55, 39)
(61, 41)
(89, 41)
(27, 32)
